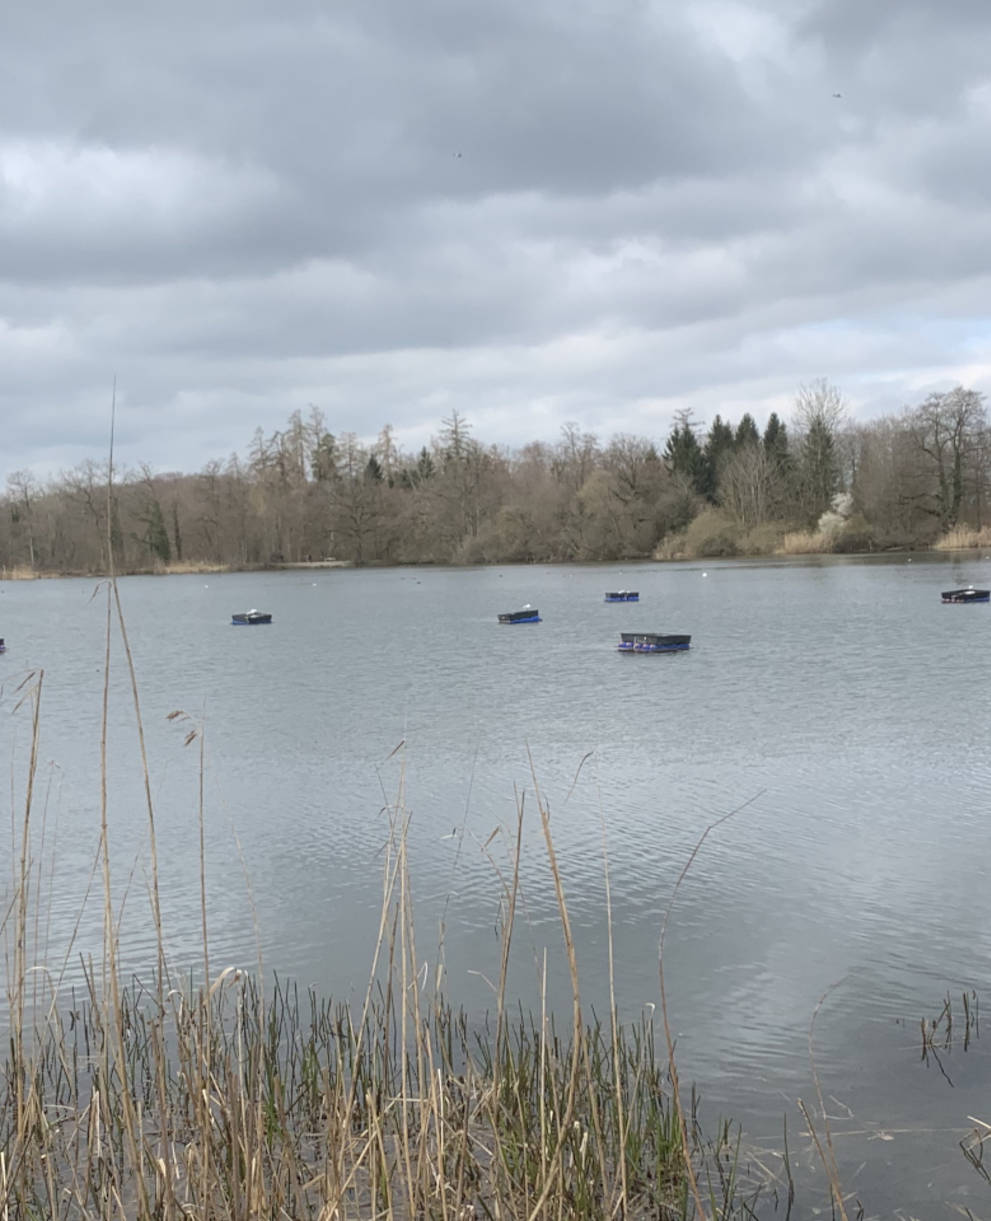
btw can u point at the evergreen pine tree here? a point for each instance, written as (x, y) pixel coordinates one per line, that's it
(776, 440)
(820, 410)
(819, 468)
(781, 466)
(684, 456)
(156, 536)
(718, 446)
(746, 432)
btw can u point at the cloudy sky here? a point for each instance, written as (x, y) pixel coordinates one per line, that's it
(530, 211)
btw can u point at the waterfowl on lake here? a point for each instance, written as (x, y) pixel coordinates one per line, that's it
(652, 642)
(623, 595)
(240, 618)
(970, 594)
(3, 647)
(529, 614)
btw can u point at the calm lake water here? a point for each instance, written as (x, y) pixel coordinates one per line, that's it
(838, 699)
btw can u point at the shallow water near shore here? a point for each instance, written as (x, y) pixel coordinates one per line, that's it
(835, 704)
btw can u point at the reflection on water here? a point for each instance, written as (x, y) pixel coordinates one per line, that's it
(839, 702)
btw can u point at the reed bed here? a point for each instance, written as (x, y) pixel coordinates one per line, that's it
(284, 1106)
(963, 538)
(225, 1094)
(192, 566)
(805, 542)
(19, 572)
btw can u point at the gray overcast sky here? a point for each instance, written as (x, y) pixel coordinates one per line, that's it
(532, 211)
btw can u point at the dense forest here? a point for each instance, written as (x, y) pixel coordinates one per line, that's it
(818, 482)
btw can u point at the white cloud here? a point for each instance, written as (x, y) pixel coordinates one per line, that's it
(530, 214)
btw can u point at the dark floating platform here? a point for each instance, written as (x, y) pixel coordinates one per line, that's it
(529, 614)
(246, 618)
(970, 594)
(652, 642)
(623, 595)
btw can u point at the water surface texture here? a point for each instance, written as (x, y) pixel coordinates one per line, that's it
(837, 702)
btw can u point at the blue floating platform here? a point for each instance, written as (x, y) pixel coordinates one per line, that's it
(653, 642)
(250, 618)
(963, 597)
(528, 614)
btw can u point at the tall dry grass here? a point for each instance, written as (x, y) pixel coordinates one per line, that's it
(962, 538)
(174, 568)
(19, 572)
(193, 566)
(805, 542)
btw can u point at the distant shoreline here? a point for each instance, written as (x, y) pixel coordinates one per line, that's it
(324, 564)
(23, 573)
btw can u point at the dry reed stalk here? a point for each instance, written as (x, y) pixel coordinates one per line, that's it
(502, 1051)
(688, 1160)
(827, 1154)
(116, 1062)
(405, 1102)
(205, 1012)
(622, 1202)
(569, 1106)
(335, 1178)
(163, 983)
(22, 884)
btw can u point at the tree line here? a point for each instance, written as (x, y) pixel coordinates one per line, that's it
(307, 493)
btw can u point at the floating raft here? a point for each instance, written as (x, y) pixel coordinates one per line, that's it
(529, 614)
(970, 594)
(244, 618)
(623, 595)
(652, 642)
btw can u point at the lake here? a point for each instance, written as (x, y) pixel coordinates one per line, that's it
(835, 704)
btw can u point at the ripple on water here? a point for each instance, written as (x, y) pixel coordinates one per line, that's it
(839, 703)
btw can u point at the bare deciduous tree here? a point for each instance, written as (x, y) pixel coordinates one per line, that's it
(947, 431)
(746, 486)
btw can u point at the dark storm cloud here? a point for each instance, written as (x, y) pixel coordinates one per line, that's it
(530, 213)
